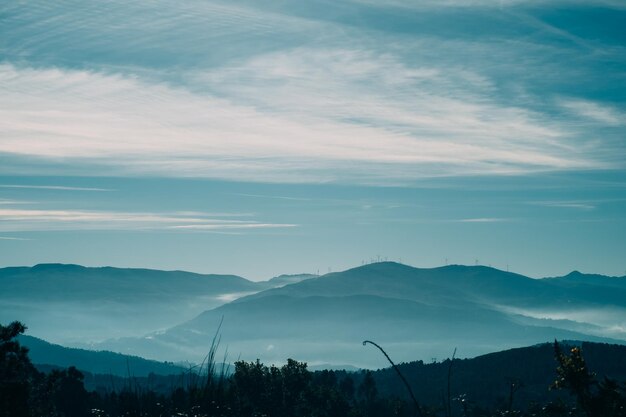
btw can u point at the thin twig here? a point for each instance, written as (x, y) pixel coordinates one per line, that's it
(408, 387)
(449, 378)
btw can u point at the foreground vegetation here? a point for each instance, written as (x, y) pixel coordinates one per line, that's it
(254, 389)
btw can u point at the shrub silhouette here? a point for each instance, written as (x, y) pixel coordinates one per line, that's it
(596, 399)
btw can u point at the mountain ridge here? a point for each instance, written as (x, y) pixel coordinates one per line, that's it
(111, 302)
(399, 304)
(42, 352)
(424, 310)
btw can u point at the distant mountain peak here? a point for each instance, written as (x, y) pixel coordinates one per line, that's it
(383, 265)
(396, 266)
(581, 275)
(288, 276)
(57, 267)
(286, 279)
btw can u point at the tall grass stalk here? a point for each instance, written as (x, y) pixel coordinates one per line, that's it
(418, 409)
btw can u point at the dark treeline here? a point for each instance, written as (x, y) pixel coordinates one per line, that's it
(254, 389)
(511, 379)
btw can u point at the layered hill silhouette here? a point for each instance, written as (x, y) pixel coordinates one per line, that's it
(98, 362)
(72, 304)
(416, 313)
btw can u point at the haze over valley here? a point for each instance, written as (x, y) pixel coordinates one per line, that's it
(416, 313)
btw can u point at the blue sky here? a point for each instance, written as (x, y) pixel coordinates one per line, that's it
(287, 136)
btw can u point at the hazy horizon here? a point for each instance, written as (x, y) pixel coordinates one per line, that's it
(316, 273)
(282, 137)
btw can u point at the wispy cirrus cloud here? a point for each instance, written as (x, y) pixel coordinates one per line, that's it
(573, 204)
(274, 197)
(484, 220)
(54, 187)
(594, 111)
(285, 93)
(232, 225)
(5, 202)
(142, 36)
(489, 4)
(401, 128)
(16, 220)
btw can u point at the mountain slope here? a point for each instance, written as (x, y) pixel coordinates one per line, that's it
(330, 330)
(282, 280)
(486, 380)
(100, 362)
(75, 304)
(592, 302)
(420, 312)
(474, 283)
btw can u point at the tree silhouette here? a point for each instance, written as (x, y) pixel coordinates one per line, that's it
(67, 392)
(16, 372)
(596, 399)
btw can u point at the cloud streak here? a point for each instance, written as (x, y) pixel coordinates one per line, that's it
(14, 220)
(5, 202)
(307, 133)
(595, 112)
(580, 205)
(484, 220)
(54, 187)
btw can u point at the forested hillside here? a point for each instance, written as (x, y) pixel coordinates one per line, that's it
(547, 380)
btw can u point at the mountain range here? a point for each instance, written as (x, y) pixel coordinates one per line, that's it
(414, 313)
(80, 306)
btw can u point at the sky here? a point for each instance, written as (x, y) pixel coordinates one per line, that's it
(262, 138)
